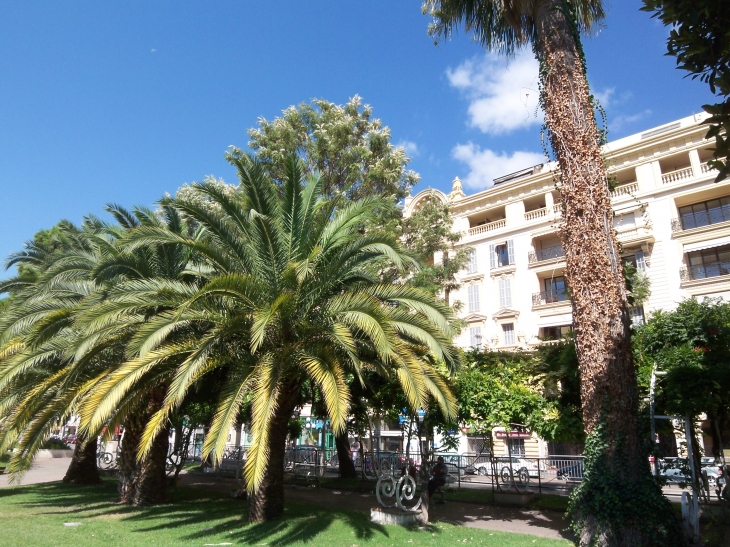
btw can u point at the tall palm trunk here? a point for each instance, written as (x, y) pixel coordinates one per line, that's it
(83, 469)
(152, 481)
(267, 502)
(347, 466)
(594, 273)
(128, 466)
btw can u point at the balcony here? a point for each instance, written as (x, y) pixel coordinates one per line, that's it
(704, 168)
(550, 297)
(677, 176)
(548, 253)
(625, 190)
(698, 219)
(704, 271)
(490, 227)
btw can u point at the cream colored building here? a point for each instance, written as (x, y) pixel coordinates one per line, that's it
(672, 220)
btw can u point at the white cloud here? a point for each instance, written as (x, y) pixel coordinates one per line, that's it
(502, 96)
(486, 165)
(410, 147)
(605, 97)
(153, 50)
(627, 119)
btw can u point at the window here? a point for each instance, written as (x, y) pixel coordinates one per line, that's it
(471, 265)
(709, 262)
(707, 212)
(508, 330)
(637, 316)
(555, 333)
(475, 337)
(473, 293)
(505, 293)
(638, 261)
(556, 289)
(502, 254)
(517, 447)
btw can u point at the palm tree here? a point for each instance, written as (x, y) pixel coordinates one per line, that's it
(593, 265)
(292, 298)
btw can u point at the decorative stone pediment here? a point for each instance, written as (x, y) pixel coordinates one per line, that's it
(475, 318)
(506, 313)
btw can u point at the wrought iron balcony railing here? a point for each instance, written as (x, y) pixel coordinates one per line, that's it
(549, 297)
(556, 251)
(703, 271)
(698, 219)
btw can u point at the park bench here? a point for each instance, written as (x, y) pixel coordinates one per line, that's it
(306, 473)
(231, 465)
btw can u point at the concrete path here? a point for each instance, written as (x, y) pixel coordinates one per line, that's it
(42, 470)
(549, 524)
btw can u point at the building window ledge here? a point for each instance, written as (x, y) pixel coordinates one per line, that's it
(705, 282)
(553, 305)
(718, 229)
(472, 277)
(496, 272)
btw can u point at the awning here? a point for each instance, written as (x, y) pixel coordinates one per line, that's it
(709, 244)
(555, 320)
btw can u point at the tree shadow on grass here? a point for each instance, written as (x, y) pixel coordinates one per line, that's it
(194, 509)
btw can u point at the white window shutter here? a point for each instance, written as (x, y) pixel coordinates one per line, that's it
(473, 293)
(492, 257)
(511, 251)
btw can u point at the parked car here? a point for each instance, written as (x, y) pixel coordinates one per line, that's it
(507, 467)
(676, 470)
(70, 439)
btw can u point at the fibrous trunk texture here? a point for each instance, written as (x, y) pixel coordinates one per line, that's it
(83, 469)
(347, 466)
(128, 466)
(152, 480)
(594, 274)
(267, 502)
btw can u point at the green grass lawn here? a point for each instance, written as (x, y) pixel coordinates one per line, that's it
(56, 514)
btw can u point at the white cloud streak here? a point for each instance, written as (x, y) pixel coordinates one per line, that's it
(486, 165)
(410, 147)
(502, 97)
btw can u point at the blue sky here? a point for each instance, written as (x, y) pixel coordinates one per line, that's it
(124, 101)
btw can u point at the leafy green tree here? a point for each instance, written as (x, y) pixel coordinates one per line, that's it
(593, 267)
(700, 41)
(288, 298)
(690, 344)
(535, 389)
(428, 232)
(349, 150)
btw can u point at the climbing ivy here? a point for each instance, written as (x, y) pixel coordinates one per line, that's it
(618, 502)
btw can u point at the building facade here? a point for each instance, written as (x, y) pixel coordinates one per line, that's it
(672, 221)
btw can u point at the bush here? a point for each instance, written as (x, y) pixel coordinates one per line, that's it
(55, 444)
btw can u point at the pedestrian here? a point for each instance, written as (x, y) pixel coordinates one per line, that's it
(439, 472)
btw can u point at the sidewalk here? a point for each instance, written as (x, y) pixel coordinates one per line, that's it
(549, 524)
(41, 470)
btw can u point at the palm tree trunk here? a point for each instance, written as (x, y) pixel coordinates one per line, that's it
(594, 274)
(83, 469)
(152, 480)
(128, 466)
(347, 466)
(267, 502)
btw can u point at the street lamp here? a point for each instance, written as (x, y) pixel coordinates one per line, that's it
(479, 340)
